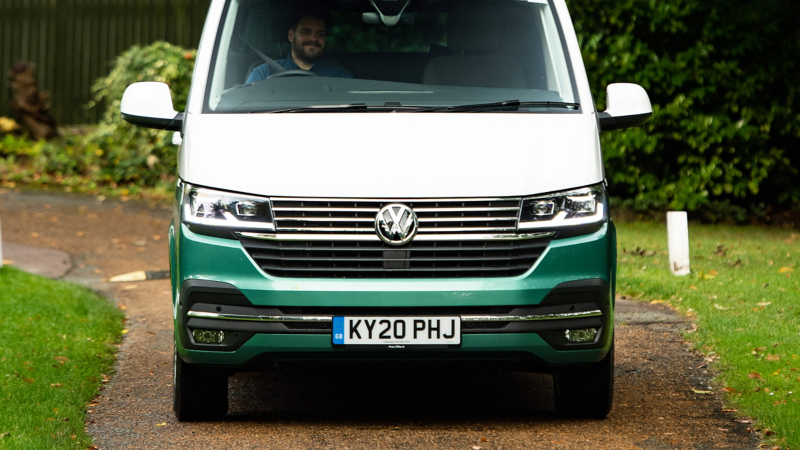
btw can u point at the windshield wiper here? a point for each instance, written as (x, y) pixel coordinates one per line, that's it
(315, 108)
(511, 105)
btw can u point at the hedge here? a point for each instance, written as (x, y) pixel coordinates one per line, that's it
(723, 79)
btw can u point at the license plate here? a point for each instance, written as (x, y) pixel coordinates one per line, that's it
(397, 331)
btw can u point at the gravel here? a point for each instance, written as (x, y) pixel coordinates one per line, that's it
(655, 406)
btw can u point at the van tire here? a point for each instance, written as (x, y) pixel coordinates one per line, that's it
(199, 393)
(586, 393)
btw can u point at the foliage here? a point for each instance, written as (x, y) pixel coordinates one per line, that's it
(58, 339)
(113, 154)
(135, 154)
(723, 79)
(742, 295)
(71, 163)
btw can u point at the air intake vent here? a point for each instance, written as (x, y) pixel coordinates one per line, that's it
(427, 259)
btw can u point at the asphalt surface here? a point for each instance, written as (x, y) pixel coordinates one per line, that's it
(655, 403)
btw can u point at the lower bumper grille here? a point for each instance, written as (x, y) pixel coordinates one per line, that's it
(369, 259)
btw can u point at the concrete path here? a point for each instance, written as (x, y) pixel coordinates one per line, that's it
(46, 262)
(654, 406)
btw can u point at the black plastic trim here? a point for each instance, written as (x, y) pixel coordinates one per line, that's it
(611, 123)
(174, 124)
(213, 231)
(203, 291)
(595, 290)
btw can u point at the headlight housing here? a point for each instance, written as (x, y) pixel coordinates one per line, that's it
(564, 209)
(210, 207)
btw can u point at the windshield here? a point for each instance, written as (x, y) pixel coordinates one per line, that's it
(394, 55)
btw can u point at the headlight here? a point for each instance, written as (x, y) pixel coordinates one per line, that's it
(562, 209)
(222, 209)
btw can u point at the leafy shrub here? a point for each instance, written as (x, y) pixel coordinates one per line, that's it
(114, 153)
(723, 79)
(131, 154)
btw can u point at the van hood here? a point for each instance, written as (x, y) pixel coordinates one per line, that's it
(391, 155)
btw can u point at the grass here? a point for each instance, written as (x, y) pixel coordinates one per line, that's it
(56, 341)
(743, 293)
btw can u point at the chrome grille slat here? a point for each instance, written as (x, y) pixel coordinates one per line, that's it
(393, 200)
(326, 229)
(442, 210)
(336, 238)
(371, 220)
(466, 229)
(368, 210)
(436, 216)
(465, 219)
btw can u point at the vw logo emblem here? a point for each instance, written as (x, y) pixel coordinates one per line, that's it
(396, 224)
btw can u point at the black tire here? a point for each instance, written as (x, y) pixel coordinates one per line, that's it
(586, 393)
(198, 393)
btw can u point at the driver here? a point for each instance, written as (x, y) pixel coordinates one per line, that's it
(307, 35)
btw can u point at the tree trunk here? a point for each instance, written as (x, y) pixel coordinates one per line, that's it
(29, 103)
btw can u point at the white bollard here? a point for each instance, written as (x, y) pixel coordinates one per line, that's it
(678, 241)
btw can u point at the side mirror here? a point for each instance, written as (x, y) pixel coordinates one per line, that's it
(149, 104)
(627, 106)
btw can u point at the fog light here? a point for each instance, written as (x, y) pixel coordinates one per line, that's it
(209, 336)
(581, 336)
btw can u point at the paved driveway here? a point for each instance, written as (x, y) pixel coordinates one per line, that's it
(654, 404)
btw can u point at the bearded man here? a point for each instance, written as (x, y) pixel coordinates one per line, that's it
(307, 35)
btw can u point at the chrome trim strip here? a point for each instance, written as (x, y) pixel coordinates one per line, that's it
(468, 219)
(473, 229)
(375, 210)
(323, 319)
(467, 209)
(326, 229)
(326, 219)
(421, 219)
(374, 237)
(532, 317)
(394, 200)
(317, 209)
(254, 318)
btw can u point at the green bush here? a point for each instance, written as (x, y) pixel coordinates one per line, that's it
(131, 154)
(113, 154)
(723, 79)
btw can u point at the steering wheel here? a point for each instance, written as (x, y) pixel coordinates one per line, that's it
(293, 73)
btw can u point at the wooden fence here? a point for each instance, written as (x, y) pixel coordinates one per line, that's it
(74, 42)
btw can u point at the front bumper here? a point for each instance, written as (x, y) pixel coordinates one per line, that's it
(216, 275)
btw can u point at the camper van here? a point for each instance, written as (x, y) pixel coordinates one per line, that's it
(391, 182)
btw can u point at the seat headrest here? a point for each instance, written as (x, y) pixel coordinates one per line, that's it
(473, 28)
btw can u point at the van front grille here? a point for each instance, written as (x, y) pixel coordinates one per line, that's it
(358, 216)
(336, 238)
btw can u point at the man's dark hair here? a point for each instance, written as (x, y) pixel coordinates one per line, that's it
(319, 13)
